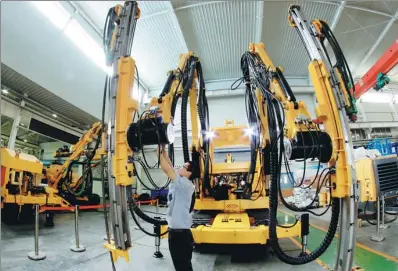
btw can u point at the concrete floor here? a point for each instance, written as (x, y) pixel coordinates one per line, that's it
(370, 255)
(17, 242)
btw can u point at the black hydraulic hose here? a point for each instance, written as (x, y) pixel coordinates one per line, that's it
(273, 198)
(184, 132)
(365, 214)
(285, 85)
(374, 224)
(187, 85)
(167, 86)
(136, 209)
(290, 226)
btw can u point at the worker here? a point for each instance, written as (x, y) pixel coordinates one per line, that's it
(180, 207)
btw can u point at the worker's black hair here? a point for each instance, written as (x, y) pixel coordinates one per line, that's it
(194, 169)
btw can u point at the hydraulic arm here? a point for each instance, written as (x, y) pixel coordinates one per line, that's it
(57, 175)
(336, 106)
(287, 131)
(129, 131)
(118, 38)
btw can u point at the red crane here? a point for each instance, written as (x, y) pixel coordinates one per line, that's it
(385, 63)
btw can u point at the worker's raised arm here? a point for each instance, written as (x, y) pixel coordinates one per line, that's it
(165, 163)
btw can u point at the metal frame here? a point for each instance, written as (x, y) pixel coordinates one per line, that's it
(348, 205)
(385, 63)
(377, 42)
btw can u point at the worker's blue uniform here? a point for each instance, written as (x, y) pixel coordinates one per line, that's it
(179, 219)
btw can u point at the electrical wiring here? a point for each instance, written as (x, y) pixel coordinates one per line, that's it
(341, 62)
(236, 84)
(373, 223)
(276, 123)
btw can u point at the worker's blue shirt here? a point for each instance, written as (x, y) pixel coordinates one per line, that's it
(179, 202)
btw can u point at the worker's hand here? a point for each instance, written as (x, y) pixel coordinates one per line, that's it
(163, 148)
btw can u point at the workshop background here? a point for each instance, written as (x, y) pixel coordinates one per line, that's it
(52, 77)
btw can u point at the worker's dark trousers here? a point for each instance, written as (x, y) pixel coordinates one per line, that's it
(181, 247)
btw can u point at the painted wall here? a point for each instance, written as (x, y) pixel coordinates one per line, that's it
(49, 148)
(34, 47)
(379, 111)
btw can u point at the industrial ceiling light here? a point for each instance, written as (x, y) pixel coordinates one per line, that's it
(249, 131)
(4, 91)
(54, 11)
(210, 134)
(86, 44)
(55, 115)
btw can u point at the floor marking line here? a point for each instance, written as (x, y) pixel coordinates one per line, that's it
(382, 254)
(317, 260)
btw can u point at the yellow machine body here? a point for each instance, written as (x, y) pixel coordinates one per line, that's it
(236, 228)
(16, 169)
(233, 225)
(54, 173)
(367, 179)
(20, 169)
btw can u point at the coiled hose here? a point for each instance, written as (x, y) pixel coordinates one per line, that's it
(273, 204)
(135, 210)
(184, 104)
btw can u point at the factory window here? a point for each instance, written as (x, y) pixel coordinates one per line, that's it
(358, 134)
(381, 132)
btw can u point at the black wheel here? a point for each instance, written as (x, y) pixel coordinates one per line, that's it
(94, 199)
(49, 219)
(12, 215)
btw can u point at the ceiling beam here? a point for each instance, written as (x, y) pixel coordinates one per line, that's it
(26, 135)
(20, 142)
(177, 25)
(376, 44)
(336, 19)
(337, 15)
(6, 123)
(260, 20)
(79, 11)
(357, 8)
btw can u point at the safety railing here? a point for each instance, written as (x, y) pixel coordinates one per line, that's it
(38, 255)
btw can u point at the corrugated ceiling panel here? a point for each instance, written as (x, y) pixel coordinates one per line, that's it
(219, 33)
(97, 10)
(389, 7)
(157, 46)
(17, 82)
(356, 42)
(386, 42)
(158, 40)
(282, 42)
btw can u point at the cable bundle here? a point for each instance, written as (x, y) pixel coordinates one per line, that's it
(257, 75)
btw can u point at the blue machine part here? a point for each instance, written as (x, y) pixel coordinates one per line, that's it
(383, 145)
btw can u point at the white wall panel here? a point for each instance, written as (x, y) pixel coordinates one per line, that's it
(227, 108)
(308, 99)
(376, 107)
(379, 117)
(34, 47)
